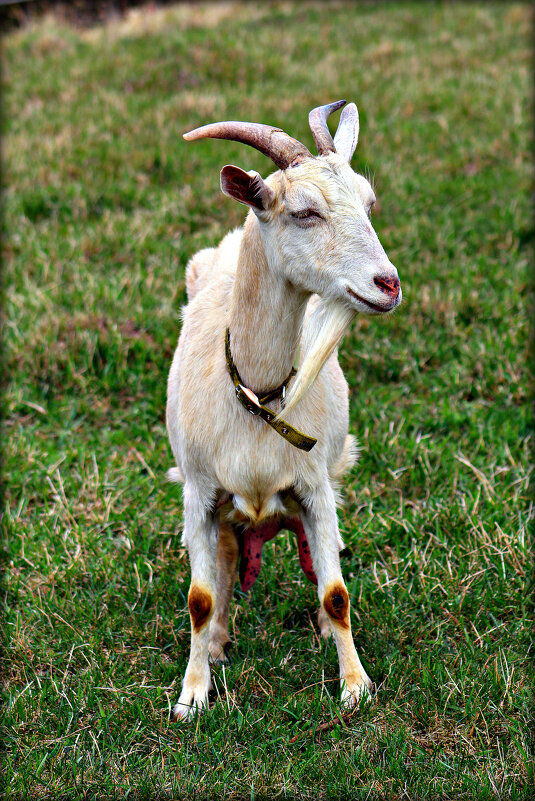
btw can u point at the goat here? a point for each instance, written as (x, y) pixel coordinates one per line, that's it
(306, 261)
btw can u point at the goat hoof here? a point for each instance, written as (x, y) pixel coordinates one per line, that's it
(353, 693)
(179, 712)
(193, 699)
(185, 711)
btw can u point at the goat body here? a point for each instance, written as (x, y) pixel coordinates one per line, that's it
(306, 260)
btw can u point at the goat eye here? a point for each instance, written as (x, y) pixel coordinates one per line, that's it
(370, 207)
(306, 216)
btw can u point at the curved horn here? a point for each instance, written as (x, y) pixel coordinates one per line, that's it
(273, 142)
(347, 134)
(317, 119)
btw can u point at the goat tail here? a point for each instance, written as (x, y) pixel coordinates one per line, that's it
(348, 457)
(175, 476)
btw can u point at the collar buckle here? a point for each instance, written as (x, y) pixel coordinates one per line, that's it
(248, 399)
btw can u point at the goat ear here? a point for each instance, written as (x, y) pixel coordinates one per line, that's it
(346, 137)
(247, 187)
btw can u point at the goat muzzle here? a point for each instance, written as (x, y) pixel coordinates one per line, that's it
(389, 284)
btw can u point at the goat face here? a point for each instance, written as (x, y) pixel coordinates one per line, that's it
(314, 219)
(314, 213)
(316, 225)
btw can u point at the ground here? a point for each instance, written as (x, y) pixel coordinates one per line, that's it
(104, 203)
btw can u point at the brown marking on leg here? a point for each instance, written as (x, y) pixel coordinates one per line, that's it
(336, 604)
(200, 606)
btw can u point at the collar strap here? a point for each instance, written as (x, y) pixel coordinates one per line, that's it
(255, 405)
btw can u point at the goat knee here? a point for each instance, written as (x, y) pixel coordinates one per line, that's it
(336, 604)
(200, 605)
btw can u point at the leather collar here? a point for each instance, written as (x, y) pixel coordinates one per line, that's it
(255, 405)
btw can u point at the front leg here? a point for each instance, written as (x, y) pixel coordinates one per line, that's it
(200, 538)
(321, 528)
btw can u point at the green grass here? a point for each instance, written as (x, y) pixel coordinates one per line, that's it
(103, 205)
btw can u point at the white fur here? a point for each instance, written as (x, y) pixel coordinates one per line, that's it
(262, 282)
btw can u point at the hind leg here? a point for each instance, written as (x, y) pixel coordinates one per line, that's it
(324, 624)
(227, 566)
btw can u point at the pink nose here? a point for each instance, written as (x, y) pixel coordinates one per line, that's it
(387, 284)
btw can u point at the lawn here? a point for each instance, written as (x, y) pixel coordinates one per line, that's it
(104, 204)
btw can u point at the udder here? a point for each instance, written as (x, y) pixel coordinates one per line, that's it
(252, 539)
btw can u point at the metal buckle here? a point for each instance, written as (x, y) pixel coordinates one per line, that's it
(247, 397)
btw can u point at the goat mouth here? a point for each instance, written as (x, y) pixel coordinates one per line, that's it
(375, 306)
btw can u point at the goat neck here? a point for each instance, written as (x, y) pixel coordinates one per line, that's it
(266, 315)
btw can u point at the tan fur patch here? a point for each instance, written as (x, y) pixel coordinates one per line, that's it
(228, 545)
(336, 604)
(200, 606)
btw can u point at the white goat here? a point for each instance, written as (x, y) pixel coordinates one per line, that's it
(250, 312)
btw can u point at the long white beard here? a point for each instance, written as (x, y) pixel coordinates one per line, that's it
(322, 332)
